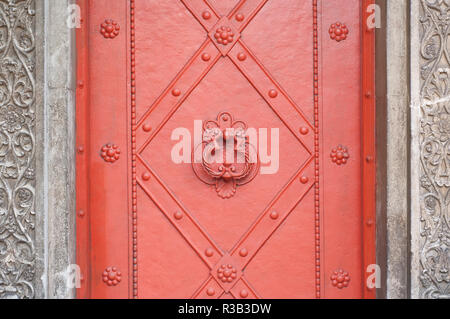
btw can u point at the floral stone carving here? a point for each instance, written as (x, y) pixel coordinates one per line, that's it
(225, 159)
(17, 149)
(434, 251)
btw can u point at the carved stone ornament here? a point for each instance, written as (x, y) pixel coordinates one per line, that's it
(435, 149)
(17, 149)
(225, 158)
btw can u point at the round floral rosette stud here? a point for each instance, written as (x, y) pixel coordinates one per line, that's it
(110, 153)
(340, 279)
(338, 31)
(226, 273)
(340, 155)
(224, 35)
(112, 276)
(110, 29)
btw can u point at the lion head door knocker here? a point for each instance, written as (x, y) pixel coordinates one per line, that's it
(225, 158)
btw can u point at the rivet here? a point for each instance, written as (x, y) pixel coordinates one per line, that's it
(369, 222)
(209, 252)
(206, 15)
(242, 56)
(304, 179)
(244, 293)
(176, 92)
(80, 149)
(146, 176)
(80, 84)
(369, 159)
(273, 93)
(206, 57)
(178, 215)
(239, 17)
(274, 215)
(368, 94)
(81, 213)
(147, 128)
(243, 252)
(211, 292)
(304, 130)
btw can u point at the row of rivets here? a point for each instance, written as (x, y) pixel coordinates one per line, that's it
(241, 57)
(211, 292)
(206, 15)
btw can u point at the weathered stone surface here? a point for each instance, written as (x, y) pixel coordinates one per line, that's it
(397, 149)
(430, 148)
(58, 162)
(17, 149)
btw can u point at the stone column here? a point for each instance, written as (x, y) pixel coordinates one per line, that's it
(397, 149)
(58, 146)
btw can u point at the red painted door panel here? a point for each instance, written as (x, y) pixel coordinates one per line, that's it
(151, 227)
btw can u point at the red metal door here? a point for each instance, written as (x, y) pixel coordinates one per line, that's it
(286, 221)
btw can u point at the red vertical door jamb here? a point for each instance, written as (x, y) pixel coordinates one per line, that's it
(368, 145)
(82, 149)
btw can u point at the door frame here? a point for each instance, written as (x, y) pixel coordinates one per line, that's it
(368, 153)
